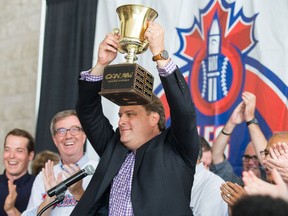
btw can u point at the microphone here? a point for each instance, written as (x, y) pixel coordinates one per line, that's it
(61, 187)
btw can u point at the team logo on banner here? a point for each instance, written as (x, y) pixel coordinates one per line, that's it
(218, 69)
(213, 49)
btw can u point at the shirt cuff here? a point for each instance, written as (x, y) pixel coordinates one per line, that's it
(168, 69)
(86, 76)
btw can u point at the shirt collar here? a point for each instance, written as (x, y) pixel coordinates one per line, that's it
(83, 161)
(200, 167)
(20, 180)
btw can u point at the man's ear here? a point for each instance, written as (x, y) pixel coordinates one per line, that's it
(31, 155)
(155, 117)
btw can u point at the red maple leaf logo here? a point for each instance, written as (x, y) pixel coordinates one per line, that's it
(236, 39)
(236, 32)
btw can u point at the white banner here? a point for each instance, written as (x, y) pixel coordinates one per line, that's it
(250, 53)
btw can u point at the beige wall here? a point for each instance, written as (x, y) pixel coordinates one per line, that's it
(19, 43)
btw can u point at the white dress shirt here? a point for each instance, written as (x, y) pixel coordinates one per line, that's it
(206, 197)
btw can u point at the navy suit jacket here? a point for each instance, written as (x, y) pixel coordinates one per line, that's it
(164, 166)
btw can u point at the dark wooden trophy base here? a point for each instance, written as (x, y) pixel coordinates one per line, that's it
(127, 84)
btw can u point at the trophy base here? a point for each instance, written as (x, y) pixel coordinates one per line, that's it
(127, 84)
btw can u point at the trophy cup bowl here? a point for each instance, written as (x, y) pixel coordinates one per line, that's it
(129, 83)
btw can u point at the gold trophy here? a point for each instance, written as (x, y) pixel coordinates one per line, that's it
(128, 83)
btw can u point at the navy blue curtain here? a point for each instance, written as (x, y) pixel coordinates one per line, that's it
(68, 49)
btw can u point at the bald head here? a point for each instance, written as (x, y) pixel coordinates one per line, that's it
(277, 137)
(250, 149)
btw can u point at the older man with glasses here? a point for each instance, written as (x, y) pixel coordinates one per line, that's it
(69, 139)
(251, 162)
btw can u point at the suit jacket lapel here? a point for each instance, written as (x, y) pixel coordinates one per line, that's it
(115, 163)
(139, 156)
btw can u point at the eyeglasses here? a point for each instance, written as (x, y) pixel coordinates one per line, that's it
(264, 153)
(246, 158)
(61, 132)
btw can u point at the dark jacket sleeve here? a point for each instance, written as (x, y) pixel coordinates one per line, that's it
(89, 110)
(183, 116)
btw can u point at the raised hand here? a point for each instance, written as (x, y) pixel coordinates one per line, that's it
(9, 205)
(155, 36)
(48, 176)
(76, 189)
(108, 49)
(250, 104)
(107, 52)
(231, 192)
(237, 116)
(256, 186)
(278, 159)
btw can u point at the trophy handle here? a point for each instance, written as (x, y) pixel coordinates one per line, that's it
(144, 46)
(116, 31)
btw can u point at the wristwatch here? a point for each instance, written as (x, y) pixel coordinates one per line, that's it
(253, 121)
(163, 55)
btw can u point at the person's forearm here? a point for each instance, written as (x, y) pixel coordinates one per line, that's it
(13, 212)
(97, 70)
(258, 140)
(77, 194)
(220, 143)
(45, 202)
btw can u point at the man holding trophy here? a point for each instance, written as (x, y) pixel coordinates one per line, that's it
(144, 169)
